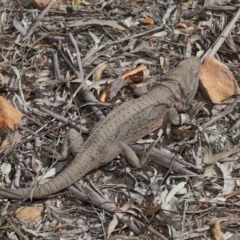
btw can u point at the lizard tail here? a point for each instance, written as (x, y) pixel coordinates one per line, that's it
(71, 174)
(15, 193)
(60, 182)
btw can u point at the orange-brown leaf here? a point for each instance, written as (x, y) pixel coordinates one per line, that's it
(132, 76)
(9, 116)
(217, 233)
(148, 21)
(29, 213)
(217, 81)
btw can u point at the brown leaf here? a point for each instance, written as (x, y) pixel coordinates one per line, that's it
(9, 116)
(97, 75)
(77, 2)
(184, 133)
(148, 21)
(29, 213)
(217, 81)
(217, 233)
(152, 210)
(132, 76)
(41, 4)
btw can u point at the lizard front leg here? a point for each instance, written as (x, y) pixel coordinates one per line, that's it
(172, 116)
(176, 118)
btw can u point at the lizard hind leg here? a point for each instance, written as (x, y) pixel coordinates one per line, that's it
(133, 158)
(131, 155)
(70, 144)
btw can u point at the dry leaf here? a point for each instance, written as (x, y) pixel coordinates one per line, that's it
(41, 4)
(184, 133)
(77, 2)
(148, 21)
(97, 75)
(100, 22)
(10, 116)
(5, 143)
(153, 210)
(116, 217)
(174, 191)
(36, 164)
(217, 81)
(132, 76)
(112, 90)
(6, 168)
(30, 213)
(209, 159)
(217, 233)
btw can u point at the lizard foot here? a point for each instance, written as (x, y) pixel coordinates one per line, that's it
(133, 158)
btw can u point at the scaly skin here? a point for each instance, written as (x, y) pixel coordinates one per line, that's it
(129, 122)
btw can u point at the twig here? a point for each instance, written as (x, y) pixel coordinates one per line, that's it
(122, 40)
(212, 51)
(164, 159)
(79, 61)
(37, 41)
(57, 73)
(54, 37)
(35, 23)
(86, 94)
(95, 198)
(151, 229)
(65, 120)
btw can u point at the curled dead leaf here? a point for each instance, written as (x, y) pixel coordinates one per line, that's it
(217, 81)
(132, 76)
(184, 133)
(116, 217)
(148, 21)
(9, 116)
(41, 4)
(29, 213)
(217, 232)
(97, 75)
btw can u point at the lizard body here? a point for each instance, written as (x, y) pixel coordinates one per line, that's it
(130, 121)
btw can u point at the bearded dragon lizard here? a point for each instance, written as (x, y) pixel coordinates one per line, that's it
(129, 122)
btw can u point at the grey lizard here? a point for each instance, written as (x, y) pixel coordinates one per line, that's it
(130, 121)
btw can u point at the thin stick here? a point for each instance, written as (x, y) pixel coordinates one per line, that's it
(35, 23)
(212, 51)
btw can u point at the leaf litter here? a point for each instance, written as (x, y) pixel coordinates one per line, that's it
(68, 66)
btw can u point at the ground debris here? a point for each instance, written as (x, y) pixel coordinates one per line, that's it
(69, 66)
